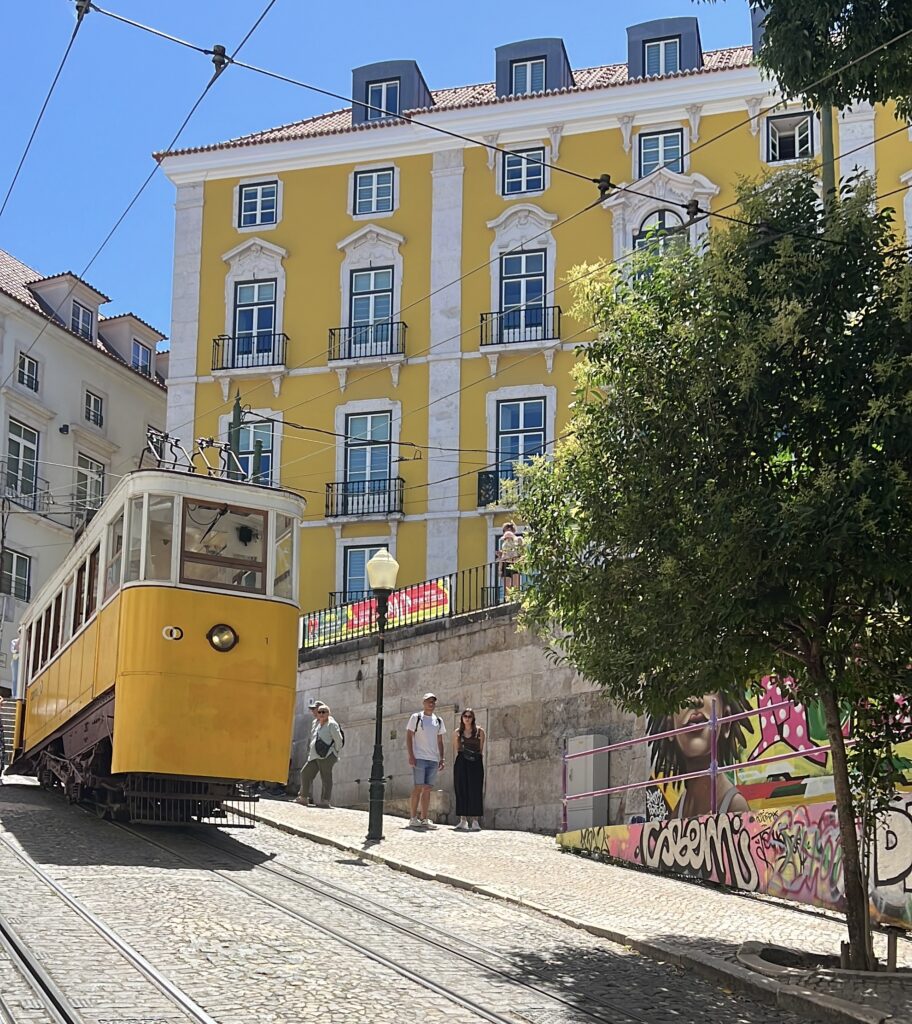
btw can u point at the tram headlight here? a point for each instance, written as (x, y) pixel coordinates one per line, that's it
(222, 637)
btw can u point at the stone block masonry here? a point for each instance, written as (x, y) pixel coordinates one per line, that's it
(528, 705)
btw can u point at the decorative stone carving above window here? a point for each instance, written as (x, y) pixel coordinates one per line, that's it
(663, 189)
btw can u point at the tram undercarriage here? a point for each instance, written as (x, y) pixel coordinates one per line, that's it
(76, 760)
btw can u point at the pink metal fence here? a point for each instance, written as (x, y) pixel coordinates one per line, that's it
(715, 721)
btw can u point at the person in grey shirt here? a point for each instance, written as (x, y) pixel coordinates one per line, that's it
(325, 746)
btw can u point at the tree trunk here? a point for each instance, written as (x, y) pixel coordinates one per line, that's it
(856, 896)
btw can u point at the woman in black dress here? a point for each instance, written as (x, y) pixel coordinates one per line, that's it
(468, 772)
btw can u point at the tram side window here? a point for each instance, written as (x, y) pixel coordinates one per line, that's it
(55, 626)
(283, 584)
(115, 556)
(45, 635)
(134, 541)
(66, 614)
(223, 548)
(92, 585)
(158, 539)
(35, 637)
(79, 601)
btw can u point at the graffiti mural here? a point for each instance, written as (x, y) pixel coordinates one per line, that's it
(784, 731)
(793, 853)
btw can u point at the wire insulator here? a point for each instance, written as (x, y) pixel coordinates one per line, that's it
(604, 185)
(693, 209)
(82, 8)
(219, 58)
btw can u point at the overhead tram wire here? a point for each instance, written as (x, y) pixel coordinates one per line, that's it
(221, 60)
(82, 7)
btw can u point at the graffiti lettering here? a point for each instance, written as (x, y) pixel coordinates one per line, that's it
(716, 848)
(804, 856)
(894, 847)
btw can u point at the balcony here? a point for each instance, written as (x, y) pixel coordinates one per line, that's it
(367, 341)
(523, 326)
(490, 485)
(248, 351)
(23, 487)
(364, 497)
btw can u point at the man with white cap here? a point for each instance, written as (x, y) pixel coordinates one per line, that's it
(424, 741)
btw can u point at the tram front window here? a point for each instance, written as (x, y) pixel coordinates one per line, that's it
(223, 547)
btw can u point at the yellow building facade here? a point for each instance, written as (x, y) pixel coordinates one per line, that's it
(401, 293)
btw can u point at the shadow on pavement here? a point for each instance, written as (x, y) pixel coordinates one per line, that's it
(51, 831)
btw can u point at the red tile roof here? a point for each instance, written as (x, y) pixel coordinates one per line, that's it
(337, 122)
(15, 278)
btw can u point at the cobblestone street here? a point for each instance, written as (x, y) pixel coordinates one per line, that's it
(264, 926)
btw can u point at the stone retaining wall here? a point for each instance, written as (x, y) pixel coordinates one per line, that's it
(528, 705)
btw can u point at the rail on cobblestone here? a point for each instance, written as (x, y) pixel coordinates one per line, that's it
(715, 723)
(354, 614)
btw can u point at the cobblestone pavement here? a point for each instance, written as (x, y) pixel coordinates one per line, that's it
(244, 960)
(530, 868)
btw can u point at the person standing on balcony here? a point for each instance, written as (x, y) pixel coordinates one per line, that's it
(509, 553)
(325, 744)
(424, 742)
(468, 772)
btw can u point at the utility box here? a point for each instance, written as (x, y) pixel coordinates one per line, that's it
(585, 774)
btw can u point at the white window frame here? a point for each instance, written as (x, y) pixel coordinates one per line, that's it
(528, 65)
(28, 366)
(259, 198)
(246, 455)
(254, 260)
(661, 44)
(370, 247)
(512, 394)
(360, 407)
(364, 172)
(387, 541)
(521, 225)
(17, 561)
(143, 347)
(28, 446)
(94, 471)
(80, 318)
(346, 551)
(236, 204)
(767, 137)
(277, 417)
(517, 154)
(93, 408)
(661, 134)
(382, 101)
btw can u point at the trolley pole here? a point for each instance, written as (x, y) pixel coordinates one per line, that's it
(234, 437)
(377, 786)
(257, 462)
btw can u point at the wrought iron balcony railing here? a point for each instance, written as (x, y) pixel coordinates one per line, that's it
(248, 351)
(491, 489)
(22, 486)
(367, 340)
(527, 323)
(364, 497)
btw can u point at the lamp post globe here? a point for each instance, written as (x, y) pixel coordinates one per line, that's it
(382, 571)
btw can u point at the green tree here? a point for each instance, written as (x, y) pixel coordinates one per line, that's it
(735, 497)
(822, 50)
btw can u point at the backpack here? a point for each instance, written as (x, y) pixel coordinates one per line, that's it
(419, 724)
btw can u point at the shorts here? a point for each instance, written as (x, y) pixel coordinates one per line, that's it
(507, 570)
(425, 772)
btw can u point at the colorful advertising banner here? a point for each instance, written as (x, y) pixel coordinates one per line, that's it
(421, 602)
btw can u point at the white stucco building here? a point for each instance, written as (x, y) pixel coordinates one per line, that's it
(77, 392)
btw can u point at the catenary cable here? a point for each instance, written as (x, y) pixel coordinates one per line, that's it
(81, 9)
(221, 61)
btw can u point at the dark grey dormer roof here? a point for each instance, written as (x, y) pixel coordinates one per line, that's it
(558, 74)
(685, 29)
(413, 91)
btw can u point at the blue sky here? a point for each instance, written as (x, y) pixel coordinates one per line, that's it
(123, 94)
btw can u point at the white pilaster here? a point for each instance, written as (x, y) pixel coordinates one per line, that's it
(856, 129)
(444, 361)
(188, 243)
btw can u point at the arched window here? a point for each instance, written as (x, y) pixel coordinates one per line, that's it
(655, 227)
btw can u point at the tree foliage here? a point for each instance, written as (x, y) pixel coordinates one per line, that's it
(736, 495)
(812, 46)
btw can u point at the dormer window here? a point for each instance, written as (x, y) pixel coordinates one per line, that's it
(81, 320)
(790, 137)
(662, 56)
(527, 76)
(382, 99)
(142, 358)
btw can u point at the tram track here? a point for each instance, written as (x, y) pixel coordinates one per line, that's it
(466, 950)
(61, 1007)
(54, 1002)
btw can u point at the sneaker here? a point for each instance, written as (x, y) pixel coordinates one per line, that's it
(415, 823)
(463, 826)
(325, 803)
(301, 800)
(427, 823)
(476, 827)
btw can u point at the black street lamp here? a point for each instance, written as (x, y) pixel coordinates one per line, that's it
(382, 570)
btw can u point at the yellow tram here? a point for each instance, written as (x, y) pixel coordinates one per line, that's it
(157, 666)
